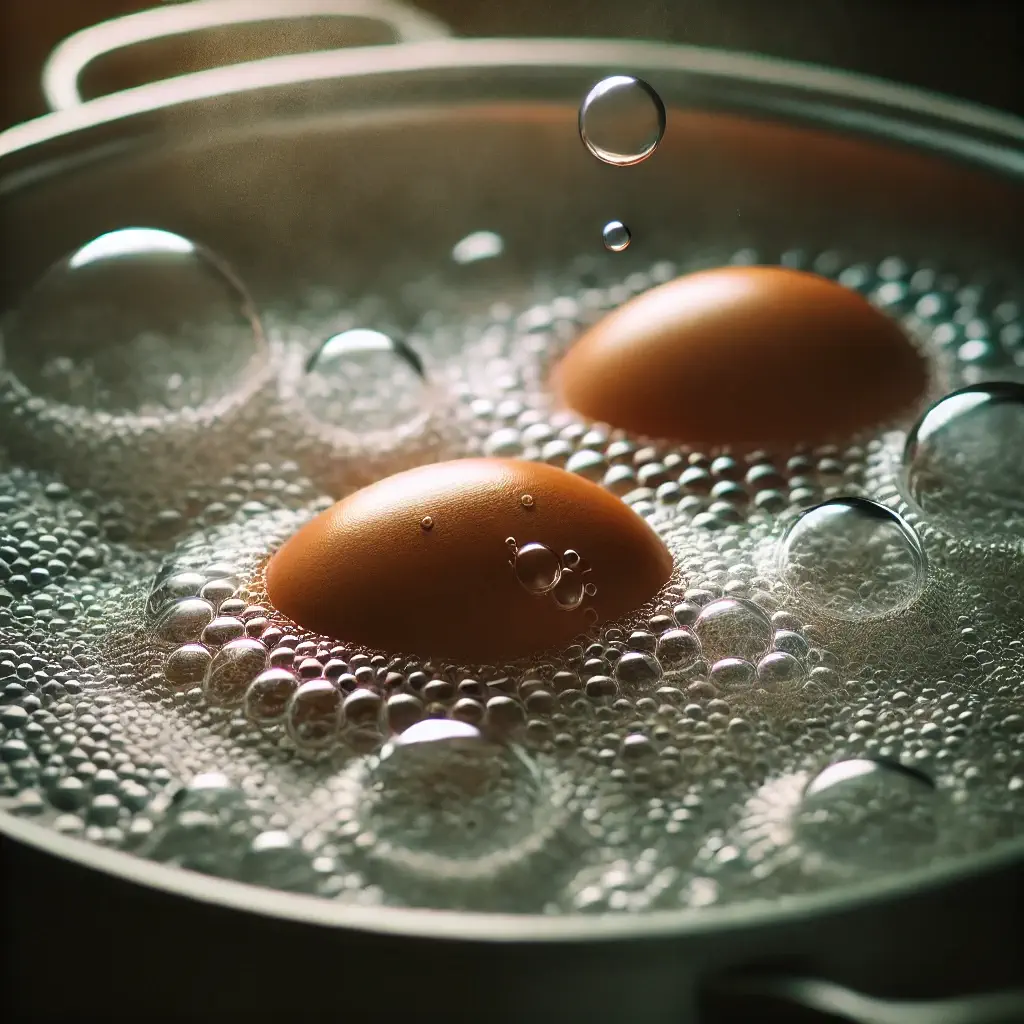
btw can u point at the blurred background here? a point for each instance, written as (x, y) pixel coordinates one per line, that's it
(968, 48)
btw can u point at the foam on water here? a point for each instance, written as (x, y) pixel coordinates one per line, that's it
(827, 689)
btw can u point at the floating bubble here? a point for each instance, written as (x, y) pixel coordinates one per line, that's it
(314, 714)
(637, 667)
(432, 731)
(778, 669)
(622, 120)
(731, 674)
(678, 648)
(733, 628)
(449, 808)
(616, 236)
(201, 826)
(138, 321)
(854, 559)
(362, 708)
(873, 812)
(186, 666)
(275, 859)
(233, 668)
(223, 629)
(185, 620)
(170, 588)
(569, 591)
(963, 466)
(268, 695)
(480, 245)
(364, 381)
(537, 568)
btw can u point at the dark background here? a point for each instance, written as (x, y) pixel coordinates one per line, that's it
(968, 48)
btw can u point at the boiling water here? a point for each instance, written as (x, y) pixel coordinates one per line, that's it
(828, 689)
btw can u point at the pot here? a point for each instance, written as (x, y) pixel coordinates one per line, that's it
(357, 162)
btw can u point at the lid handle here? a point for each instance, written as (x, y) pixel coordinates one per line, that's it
(63, 68)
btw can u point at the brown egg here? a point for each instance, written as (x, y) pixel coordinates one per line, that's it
(743, 357)
(477, 560)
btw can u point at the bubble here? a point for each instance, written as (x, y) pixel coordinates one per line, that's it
(622, 120)
(854, 559)
(218, 591)
(314, 714)
(221, 630)
(678, 648)
(731, 674)
(875, 812)
(526, 501)
(231, 671)
(427, 523)
(433, 730)
(778, 669)
(200, 825)
(616, 236)
(636, 667)
(185, 620)
(268, 695)
(138, 321)
(187, 666)
(402, 710)
(451, 809)
(962, 463)
(363, 381)
(362, 708)
(480, 245)
(169, 589)
(570, 589)
(733, 628)
(274, 859)
(537, 568)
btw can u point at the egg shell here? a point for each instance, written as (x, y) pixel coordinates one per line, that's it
(744, 357)
(367, 572)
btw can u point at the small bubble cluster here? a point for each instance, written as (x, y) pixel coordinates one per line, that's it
(827, 689)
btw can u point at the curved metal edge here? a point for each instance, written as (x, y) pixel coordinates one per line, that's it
(68, 59)
(309, 69)
(487, 927)
(485, 54)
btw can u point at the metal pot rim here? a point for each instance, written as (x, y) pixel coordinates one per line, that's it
(987, 136)
(492, 927)
(483, 55)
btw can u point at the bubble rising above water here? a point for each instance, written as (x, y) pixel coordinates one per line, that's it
(622, 120)
(616, 236)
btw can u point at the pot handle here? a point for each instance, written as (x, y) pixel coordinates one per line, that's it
(1006, 1007)
(67, 61)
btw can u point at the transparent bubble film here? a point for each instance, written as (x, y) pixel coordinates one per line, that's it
(828, 689)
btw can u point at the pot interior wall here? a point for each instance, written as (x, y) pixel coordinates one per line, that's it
(364, 199)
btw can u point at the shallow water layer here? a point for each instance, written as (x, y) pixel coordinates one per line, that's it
(828, 688)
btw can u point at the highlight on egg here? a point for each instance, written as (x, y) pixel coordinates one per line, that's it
(477, 560)
(744, 358)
